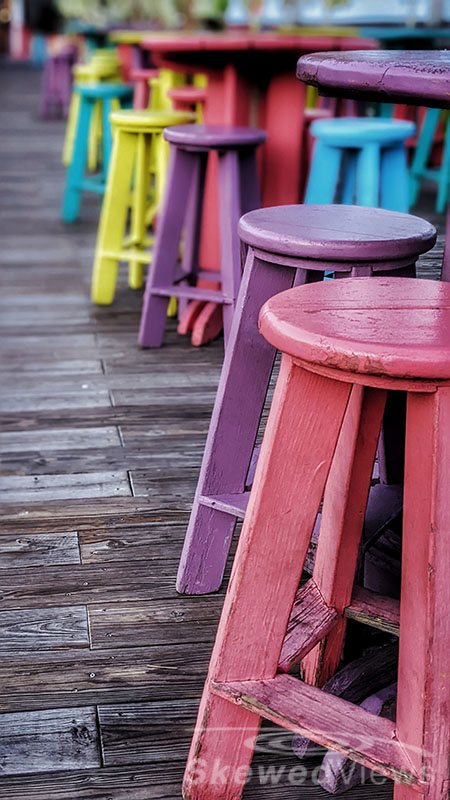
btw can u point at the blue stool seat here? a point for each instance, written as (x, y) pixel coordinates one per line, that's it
(109, 96)
(360, 161)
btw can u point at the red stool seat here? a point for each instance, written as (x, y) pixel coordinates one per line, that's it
(377, 327)
(187, 94)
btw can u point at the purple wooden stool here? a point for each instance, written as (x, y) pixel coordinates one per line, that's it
(57, 83)
(286, 245)
(238, 193)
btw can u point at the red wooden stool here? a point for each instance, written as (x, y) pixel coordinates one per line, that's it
(140, 78)
(344, 344)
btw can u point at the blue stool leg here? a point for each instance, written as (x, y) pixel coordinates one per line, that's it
(349, 178)
(423, 149)
(76, 170)
(107, 135)
(324, 174)
(444, 174)
(394, 178)
(368, 176)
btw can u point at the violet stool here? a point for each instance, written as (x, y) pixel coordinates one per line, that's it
(238, 192)
(56, 90)
(285, 244)
(322, 432)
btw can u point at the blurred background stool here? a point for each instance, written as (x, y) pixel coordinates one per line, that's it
(420, 168)
(238, 192)
(101, 68)
(141, 79)
(189, 98)
(137, 136)
(56, 89)
(77, 182)
(285, 244)
(320, 442)
(361, 161)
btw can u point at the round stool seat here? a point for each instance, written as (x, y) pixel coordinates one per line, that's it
(95, 71)
(338, 232)
(147, 120)
(214, 136)
(187, 94)
(104, 91)
(374, 326)
(140, 74)
(356, 131)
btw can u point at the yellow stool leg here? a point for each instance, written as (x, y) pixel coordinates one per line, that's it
(138, 210)
(113, 218)
(95, 138)
(72, 120)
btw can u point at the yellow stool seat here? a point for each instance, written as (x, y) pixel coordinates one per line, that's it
(146, 120)
(138, 164)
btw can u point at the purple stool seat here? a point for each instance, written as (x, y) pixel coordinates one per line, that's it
(238, 192)
(305, 232)
(214, 137)
(286, 245)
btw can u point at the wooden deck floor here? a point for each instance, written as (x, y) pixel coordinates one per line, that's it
(101, 662)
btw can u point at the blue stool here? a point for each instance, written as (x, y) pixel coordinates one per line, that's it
(360, 161)
(110, 96)
(419, 169)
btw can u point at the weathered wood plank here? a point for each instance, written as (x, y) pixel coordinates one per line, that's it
(44, 629)
(42, 400)
(36, 489)
(153, 540)
(58, 439)
(38, 550)
(52, 679)
(89, 583)
(146, 732)
(22, 365)
(311, 619)
(184, 619)
(37, 741)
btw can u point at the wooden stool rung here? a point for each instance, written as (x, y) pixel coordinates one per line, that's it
(234, 504)
(192, 293)
(375, 610)
(304, 709)
(311, 619)
(131, 254)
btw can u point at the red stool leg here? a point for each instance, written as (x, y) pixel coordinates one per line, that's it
(344, 505)
(299, 442)
(423, 705)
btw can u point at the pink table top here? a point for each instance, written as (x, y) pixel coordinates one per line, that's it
(419, 77)
(243, 40)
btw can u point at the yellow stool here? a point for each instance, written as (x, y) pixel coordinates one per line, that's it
(137, 142)
(100, 68)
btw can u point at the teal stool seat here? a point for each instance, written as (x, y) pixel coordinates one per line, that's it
(107, 95)
(360, 161)
(419, 168)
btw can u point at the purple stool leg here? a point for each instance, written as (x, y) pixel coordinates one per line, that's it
(232, 433)
(192, 230)
(229, 215)
(161, 273)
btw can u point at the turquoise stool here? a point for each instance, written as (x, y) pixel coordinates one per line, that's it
(360, 161)
(110, 96)
(419, 169)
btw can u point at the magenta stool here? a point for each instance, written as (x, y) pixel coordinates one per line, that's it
(56, 88)
(183, 199)
(286, 245)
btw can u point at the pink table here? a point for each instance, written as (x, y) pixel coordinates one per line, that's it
(251, 81)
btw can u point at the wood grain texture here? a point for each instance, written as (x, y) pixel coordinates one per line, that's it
(61, 739)
(37, 489)
(44, 629)
(38, 550)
